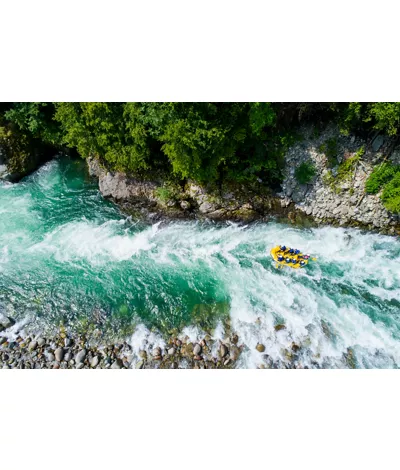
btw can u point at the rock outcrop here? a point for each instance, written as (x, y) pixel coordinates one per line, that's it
(331, 196)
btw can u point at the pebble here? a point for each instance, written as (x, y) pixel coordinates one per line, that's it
(279, 327)
(171, 351)
(50, 357)
(94, 362)
(234, 352)
(8, 322)
(67, 357)
(260, 347)
(32, 345)
(41, 342)
(156, 352)
(139, 365)
(79, 365)
(3, 340)
(80, 357)
(197, 350)
(223, 350)
(59, 354)
(67, 342)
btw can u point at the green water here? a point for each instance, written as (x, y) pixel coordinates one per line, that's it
(67, 256)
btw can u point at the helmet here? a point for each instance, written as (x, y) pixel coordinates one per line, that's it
(287, 260)
(283, 248)
(294, 260)
(302, 263)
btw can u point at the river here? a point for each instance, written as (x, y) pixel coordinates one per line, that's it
(69, 257)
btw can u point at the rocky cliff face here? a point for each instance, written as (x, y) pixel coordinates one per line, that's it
(335, 195)
(330, 197)
(192, 201)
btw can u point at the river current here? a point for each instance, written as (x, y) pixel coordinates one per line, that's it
(69, 257)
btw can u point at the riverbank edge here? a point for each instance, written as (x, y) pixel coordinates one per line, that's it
(307, 205)
(20, 349)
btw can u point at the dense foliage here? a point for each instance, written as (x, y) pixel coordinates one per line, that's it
(391, 194)
(305, 172)
(207, 142)
(381, 175)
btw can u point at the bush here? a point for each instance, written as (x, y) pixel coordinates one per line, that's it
(305, 172)
(346, 168)
(330, 149)
(391, 194)
(381, 175)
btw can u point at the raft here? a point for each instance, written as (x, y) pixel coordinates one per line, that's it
(277, 251)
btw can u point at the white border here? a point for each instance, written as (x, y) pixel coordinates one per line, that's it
(217, 50)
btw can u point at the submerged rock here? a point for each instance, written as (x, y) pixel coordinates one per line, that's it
(260, 347)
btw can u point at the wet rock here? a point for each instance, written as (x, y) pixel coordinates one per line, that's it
(67, 357)
(59, 354)
(94, 362)
(185, 205)
(7, 322)
(171, 351)
(80, 357)
(295, 347)
(32, 345)
(50, 357)
(68, 342)
(235, 339)
(234, 353)
(223, 350)
(79, 365)
(157, 352)
(143, 354)
(197, 358)
(260, 347)
(2, 340)
(139, 365)
(41, 342)
(197, 350)
(189, 348)
(279, 327)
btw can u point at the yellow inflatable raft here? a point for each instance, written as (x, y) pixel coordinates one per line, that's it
(284, 257)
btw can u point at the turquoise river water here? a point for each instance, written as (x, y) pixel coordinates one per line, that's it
(67, 256)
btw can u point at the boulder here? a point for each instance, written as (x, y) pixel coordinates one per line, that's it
(59, 354)
(81, 355)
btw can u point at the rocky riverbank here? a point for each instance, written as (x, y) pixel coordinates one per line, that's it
(21, 350)
(332, 196)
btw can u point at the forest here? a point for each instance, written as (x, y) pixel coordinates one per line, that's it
(204, 142)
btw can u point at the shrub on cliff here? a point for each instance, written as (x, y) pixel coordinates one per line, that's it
(305, 172)
(391, 194)
(381, 175)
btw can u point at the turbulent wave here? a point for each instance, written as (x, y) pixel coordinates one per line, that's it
(68, 255)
